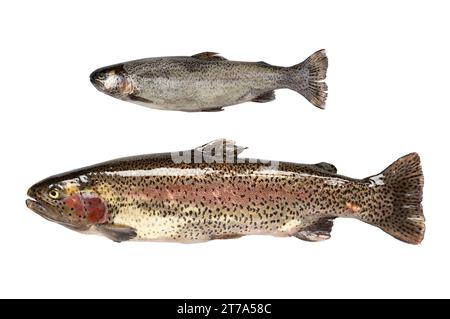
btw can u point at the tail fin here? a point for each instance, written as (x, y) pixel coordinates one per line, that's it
(403, 182)
(307, 77)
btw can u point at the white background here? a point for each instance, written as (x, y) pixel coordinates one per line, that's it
(388, 84)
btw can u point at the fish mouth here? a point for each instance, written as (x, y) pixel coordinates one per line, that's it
(96, 80)
(41, 209)
(97, 83)
(46, 211)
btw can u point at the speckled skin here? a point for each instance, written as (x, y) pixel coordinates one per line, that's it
(218, 200)
(189, 84)
(206, 81)
(165, 201)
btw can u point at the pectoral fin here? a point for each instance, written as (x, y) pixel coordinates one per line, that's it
(136, 98)
(318, 231)
(209, 56)
(117, 233)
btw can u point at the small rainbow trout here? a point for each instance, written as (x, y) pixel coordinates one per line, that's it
(208, 82)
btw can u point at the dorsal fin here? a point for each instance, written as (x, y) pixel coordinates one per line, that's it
(209, 56)
(220, 149)
(317, 231)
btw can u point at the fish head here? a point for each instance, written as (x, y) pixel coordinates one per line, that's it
(113, 80)
(68, 201)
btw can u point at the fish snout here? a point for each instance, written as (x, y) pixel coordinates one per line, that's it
(31, 192)
(31, 202)
(95, 79)
(37, 207)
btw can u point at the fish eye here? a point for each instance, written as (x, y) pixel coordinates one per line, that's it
(54, 193)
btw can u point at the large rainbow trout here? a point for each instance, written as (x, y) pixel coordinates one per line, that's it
(211, 193)
(208, 82)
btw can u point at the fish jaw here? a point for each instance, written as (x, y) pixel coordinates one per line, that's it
(113, 81)
(36, 207)
(39, 206)
(41, 209)
(48, 213)
(97, 83)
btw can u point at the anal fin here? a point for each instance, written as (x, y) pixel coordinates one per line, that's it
(265, 97)
(317, 231)
(226, 236)
(218, 109)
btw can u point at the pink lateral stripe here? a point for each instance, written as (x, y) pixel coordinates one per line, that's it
(232, 194)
